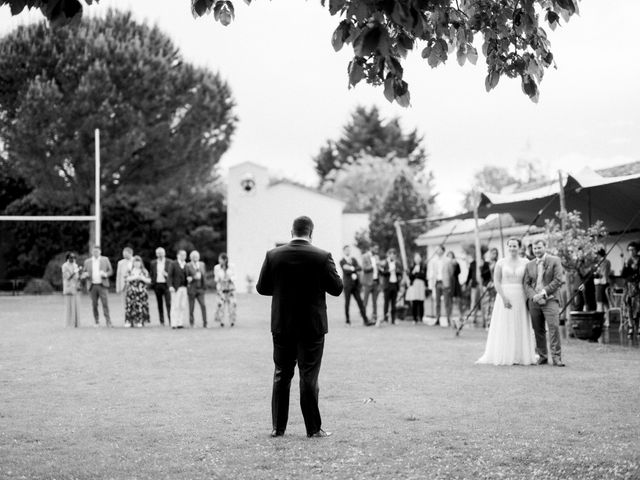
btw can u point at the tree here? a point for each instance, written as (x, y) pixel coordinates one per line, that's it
(402, 202)
(368, 134)
(382, 32)
(364, 184)
(494, 179)
(161, 120)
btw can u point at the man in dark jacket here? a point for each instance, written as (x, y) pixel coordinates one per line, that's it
(297, 276)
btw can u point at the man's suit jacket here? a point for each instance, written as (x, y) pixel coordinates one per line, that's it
(385, 274)
(196, 285)
(121, 272)
(348, 280)
(153, 271)
(177, 276)
(105, 265)
(298, 276)
(551, 276)
(367, 268)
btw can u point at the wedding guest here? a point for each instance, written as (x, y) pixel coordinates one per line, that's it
(440, 274)
(351, 282)
(196, 287)
(123, 266)
(602, 282)
(70, 281)
(489, 290)
(159, 276)
(97, 270)
(224, 276)
(529, 252)
(456, 288)
(417, 286)
(471, 285)
(178, 288)
(631, 275)
(586, 296)
(371, 279)
(137, 311)
(391, 272)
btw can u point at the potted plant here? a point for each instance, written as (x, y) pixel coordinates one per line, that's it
(577, 246)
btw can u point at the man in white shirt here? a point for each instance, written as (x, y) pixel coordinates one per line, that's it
(440, 276)
(123, 267)
(178, 288)
(159, 275)
(97, 271)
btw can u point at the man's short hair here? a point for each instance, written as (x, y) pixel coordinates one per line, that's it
(223, 256)
(540, 240)
(302, 227)
(392, 250)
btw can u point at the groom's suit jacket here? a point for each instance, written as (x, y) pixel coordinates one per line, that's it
(551, 276)
(298, 276)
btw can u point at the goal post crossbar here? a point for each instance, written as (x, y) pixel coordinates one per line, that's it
(96, 218)
(47, 218)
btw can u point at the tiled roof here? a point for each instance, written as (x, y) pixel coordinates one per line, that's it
(632, 168)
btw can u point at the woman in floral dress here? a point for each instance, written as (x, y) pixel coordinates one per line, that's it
(631, 275)
(137, 305)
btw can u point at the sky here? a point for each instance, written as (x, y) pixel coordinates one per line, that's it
(292, 94)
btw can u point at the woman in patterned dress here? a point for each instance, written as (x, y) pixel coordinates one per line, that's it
(137, 307)
(631, 275)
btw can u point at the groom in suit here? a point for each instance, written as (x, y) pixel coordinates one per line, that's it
(297, 276)
(542, 281)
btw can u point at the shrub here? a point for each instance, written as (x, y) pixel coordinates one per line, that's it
(38, 286)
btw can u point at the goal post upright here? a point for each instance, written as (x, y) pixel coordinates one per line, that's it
(97, 208)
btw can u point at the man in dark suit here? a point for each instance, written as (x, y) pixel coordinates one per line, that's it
(351, 282)
(160, 268)
(391, 272)
(297, 276)
(542, 281)
(196, 286)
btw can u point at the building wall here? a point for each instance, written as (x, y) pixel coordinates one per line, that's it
(259, 220)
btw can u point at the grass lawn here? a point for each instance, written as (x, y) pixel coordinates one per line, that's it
(402, 402)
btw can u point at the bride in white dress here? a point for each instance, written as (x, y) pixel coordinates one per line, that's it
(510, 340)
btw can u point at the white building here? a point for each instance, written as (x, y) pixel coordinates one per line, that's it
(260, 211)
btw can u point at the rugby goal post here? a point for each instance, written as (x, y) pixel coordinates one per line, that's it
(95, 218)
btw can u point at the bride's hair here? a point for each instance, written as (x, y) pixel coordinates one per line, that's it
(515, 239)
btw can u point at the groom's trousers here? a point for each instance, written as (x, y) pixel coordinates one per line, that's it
(546, 314)
(307, 353)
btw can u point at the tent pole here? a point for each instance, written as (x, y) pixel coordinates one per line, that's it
(478, 254)
(563, 206)
(501, 233)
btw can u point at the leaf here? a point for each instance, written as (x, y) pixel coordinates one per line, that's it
(472, 54)
(335, 6)
(367, 42)
(356, 72)
(340, 35)
(492, 80)
(530, 88)
(395, 66)
(17, 6)
(461, 55)
(200, 7)
(226, 15)
(389, 92)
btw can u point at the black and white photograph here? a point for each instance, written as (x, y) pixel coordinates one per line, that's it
(321, 239)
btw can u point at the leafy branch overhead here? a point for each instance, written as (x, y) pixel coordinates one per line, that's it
(382, 32)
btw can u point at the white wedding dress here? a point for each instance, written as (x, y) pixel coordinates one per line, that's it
(510, 340)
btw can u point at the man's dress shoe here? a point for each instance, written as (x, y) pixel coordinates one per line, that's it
(319, 434)
(276, 433)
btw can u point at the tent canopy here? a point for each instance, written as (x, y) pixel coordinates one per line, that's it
(614, 200)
